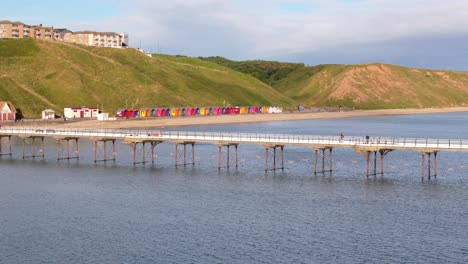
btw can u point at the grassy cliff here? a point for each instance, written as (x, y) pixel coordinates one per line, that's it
(370, 86)
(36, 75)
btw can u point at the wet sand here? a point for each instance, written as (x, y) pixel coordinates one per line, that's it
(230, 119)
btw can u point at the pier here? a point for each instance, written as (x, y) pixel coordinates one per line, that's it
(322, 146)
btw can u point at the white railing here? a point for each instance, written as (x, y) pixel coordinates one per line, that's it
(245, 138)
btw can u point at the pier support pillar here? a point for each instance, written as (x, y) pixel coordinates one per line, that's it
(153, 146)
(33, 154)
(176, 155)
(423, 154)
(274, 147)
(383, 153)
(228, 159)
(375, 162)
(104, 147)
(367, 153)
(315, 163)
(9, 145)
(330, 159)
(67, 148)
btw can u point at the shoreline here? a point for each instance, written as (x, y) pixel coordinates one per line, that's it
(233, 119)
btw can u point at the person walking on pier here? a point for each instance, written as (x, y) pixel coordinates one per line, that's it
(367, 139)
(341, 136)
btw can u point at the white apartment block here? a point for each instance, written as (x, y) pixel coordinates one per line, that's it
(18, 29)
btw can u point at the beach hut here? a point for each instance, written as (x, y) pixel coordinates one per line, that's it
(184, 112)
(210, 111)
(48, 114)
(153, 112)
(168, 112)
(136, 113)
(7, 111)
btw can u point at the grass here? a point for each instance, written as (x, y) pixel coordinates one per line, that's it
(73, 75)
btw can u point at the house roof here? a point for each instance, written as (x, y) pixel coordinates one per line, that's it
(48, 111)
(9, 104)
(5, 22)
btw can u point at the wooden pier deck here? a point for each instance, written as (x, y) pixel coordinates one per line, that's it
(323, 143)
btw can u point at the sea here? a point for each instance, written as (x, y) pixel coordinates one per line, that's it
(78, 211)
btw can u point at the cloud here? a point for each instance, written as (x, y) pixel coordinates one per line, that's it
(265, 28)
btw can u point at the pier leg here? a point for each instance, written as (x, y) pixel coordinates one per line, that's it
(105, 150)
(42, 146)
(185, 154)
(382, 157)
(282, 157)
(375, 163)
(227, 156)
(367, 156)
(435, 164)
(266, 159)
(58, 149)
(32, 148)
(153, 144)
(176, 154)
(9, 145)
(237, 164)
(274, 158)
(422, 166)
(134, 153)
(77, 149)
(193, 154)
(95, 151)
(323, 160)
(429, 166)
(22, 149)
(68, 149)
(143, 158)
(114, 153)
(315, 163)
(219, 157)
(331, 160)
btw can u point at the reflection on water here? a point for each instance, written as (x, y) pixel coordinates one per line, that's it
(78, 211)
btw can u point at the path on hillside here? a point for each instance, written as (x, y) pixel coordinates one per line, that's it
(36, 95)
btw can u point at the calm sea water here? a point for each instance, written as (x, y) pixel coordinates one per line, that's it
(81, 212)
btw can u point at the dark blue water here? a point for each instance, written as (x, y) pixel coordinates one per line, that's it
(81, 212)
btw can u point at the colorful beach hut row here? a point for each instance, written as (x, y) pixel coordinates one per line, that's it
(196, 111)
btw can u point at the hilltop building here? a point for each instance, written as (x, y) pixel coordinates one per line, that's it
(18, 29)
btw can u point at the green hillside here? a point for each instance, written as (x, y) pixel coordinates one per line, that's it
(269, 72)
(371, 86)
(36, 75)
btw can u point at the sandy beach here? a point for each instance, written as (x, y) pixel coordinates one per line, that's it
(230, 119)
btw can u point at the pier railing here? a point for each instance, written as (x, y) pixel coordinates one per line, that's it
(243, 138)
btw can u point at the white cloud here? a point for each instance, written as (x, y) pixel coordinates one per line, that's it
(259, 28)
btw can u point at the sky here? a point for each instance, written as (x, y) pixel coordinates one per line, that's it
(415, 33)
